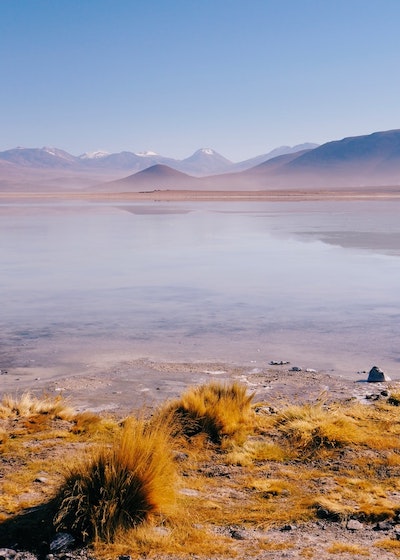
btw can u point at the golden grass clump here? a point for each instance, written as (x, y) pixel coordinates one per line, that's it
(394, 398)
(312, 427)
(3, 439)
(119, 487)
(222, 411)
(347, 548)
(28, 405)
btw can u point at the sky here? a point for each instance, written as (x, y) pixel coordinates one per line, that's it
(172, 76)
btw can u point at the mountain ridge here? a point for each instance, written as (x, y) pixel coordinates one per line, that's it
(352, 162)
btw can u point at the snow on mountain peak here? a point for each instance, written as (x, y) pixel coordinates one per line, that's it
(207, 151)
(146, 154)
(49, 150)
(94, 155)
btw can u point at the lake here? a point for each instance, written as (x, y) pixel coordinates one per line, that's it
(316, 283)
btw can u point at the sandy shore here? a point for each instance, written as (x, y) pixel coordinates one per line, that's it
(128, 385)
(291, 195)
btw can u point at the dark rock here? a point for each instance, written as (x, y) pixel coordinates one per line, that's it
(61, 542)
(278, 363)
(288, 527)
(376, 375)
(238, 535)
(125, 557)
(296, 368)
(323, 513)
(383, 526)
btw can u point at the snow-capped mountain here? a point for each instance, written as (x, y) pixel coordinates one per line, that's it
(204, 162)
(45, 157)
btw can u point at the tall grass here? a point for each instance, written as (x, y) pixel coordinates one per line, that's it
(222, 411)
(119, 487)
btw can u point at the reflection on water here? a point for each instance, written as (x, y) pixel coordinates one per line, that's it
(313, 282)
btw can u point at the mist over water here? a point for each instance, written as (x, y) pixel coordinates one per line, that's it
(316, 283)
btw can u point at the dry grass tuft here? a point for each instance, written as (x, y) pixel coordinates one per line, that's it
(222, 411)
(4, 437)
(86, 422)
(28, 405)
(119, 487)
(390, 545)
(346, 548)
(312, 427)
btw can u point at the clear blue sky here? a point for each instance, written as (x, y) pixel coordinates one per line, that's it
(172, 76)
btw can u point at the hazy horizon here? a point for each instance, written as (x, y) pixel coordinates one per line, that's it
(172, 77)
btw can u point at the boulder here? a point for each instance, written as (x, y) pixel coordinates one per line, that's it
(376, 375)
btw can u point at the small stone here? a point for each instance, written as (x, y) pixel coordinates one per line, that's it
(296, 368)
(238, 535)
(376, 375)
(125, 557)
(288, 527)
(41, 479)
(61, 542)
(278, 362)
(383, 526)
(354, 525)
(7, 553)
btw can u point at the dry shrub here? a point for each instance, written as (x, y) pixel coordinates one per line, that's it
(252, 451)
(311, 427)
(86, 422)
(222, 411)
(3, 439)
(28, 405)
(119, 487)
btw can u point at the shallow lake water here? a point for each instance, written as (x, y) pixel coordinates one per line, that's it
(316, 283)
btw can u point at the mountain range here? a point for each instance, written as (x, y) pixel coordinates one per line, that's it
(355, 162)
(203, 162)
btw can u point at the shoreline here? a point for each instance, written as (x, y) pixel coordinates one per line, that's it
(170, 195)
(120, 387)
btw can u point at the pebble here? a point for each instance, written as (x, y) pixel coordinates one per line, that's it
(278, 362)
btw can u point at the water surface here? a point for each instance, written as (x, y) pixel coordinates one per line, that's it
(316, 283)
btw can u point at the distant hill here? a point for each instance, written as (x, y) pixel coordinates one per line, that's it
(156, 177)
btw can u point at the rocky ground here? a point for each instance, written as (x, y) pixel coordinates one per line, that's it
(142, 383)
